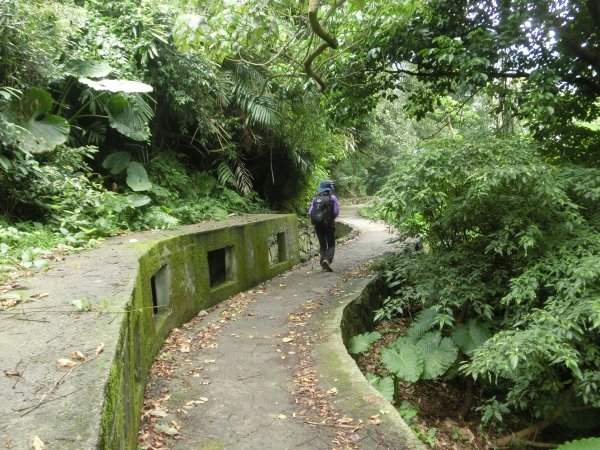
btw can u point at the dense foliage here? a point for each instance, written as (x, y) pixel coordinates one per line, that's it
(512, 245)
(130, 114)
(113, 117)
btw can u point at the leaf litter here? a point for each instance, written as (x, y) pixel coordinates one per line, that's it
(155, 433)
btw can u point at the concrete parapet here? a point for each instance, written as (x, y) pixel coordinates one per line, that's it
(75, 353)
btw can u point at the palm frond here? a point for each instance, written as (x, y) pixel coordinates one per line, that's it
(239, 178)
(247, 89)
(243, 178)
(225, 175)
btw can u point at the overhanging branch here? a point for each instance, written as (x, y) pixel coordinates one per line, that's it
(330, 41)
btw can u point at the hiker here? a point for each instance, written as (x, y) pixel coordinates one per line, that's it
(323, 210)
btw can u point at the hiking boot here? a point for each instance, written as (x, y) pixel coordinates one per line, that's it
(326, 266)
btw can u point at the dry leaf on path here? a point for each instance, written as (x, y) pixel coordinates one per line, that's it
(65, 362)
(287, 339)
(166, 429)
(77, 355)
(100, 348)
(374, 420)
(38, 444)
(158, 412)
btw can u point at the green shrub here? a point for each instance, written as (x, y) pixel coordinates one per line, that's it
(514, 245)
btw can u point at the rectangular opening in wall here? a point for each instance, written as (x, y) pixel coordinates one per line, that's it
(220, 266)
(159, 283)
(277, 248)
(281, 247)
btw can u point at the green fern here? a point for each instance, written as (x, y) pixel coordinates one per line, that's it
(130, 114)
(240, 180)
(422, 324)
(438, 352)
(225, 175)
(362, 342)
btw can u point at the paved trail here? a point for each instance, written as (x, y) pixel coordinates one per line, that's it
(266, 369)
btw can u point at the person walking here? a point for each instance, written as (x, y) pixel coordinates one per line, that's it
(323, 210)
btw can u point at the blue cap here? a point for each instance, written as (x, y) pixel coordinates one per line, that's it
(325, 186)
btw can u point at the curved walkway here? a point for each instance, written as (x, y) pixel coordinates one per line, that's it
(266, 369)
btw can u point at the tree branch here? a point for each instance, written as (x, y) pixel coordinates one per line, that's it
(308, 65)
(330, 40)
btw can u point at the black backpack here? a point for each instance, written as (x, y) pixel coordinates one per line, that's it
(322, 211)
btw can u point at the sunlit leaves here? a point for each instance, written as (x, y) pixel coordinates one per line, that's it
(137, 177)
(470, 336)
(439, 353)
(117, 162)
(125, 86)
(581, 444)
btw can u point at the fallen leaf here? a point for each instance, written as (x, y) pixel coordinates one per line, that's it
(210, 361)
(158, 412)
(77, 355)
(193, 403)
(100, 348)
(374, 420)
(65, 362)
(82, 304)
(12, 373)
(184, 349)
(332, 391)
(282, 417)
(43, 295)
(281, 285)
(166, 429)
(38, 444)
(287, 339)
(203, 399)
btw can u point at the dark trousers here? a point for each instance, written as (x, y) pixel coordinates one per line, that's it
(326, 236)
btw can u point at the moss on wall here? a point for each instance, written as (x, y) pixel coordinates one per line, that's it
(173, 284)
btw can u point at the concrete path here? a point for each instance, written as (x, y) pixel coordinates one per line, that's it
(267, 369)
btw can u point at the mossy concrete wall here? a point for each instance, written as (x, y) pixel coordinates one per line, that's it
(137, 288)
(357, 317)
(184, 267)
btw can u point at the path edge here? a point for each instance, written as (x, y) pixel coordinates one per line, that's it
(356, 397)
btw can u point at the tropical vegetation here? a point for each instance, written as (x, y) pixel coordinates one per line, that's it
(475, 124)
